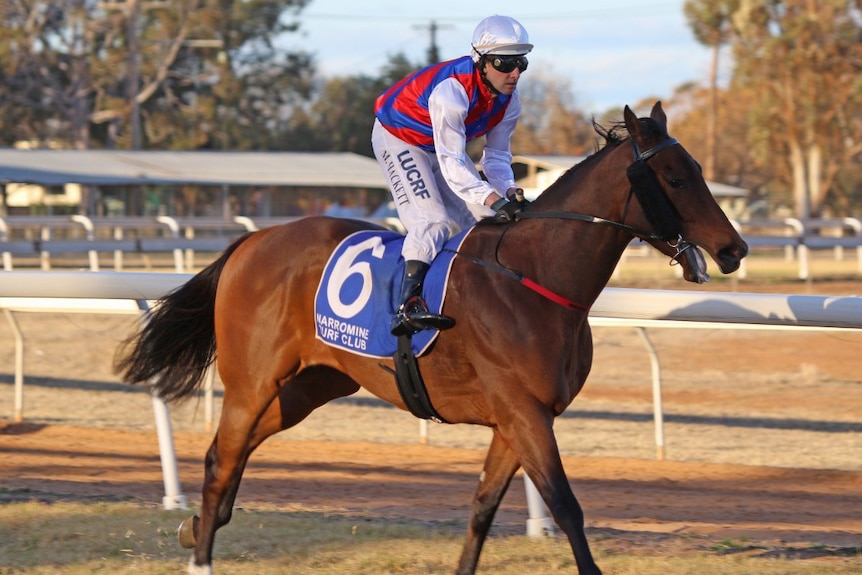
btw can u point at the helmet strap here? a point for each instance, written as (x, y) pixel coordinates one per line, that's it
(481, 65)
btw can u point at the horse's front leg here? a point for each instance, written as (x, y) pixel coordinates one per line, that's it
(529, 431)
(501, 463)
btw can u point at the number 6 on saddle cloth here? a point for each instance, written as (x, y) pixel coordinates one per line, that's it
(357, 296)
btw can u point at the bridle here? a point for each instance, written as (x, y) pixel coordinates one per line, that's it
(651, 197)
(640, 176)
(653, 201)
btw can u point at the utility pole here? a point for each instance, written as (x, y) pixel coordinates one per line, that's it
(433, 51)
(134, 71)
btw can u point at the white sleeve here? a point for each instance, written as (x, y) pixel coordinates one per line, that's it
(496, 159)
(448, 106)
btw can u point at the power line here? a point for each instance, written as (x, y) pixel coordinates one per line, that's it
(610, 13)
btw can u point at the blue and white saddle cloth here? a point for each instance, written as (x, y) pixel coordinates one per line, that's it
(358, 293)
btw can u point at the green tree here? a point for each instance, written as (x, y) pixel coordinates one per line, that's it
(262, 84)
(183, 74)
(341, 115)
(43, 63)
(550, 123)
(801, 60)
(735, 164)
(710, 21)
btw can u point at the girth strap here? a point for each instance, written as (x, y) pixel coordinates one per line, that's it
(410, 383)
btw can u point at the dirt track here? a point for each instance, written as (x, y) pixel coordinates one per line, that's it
(764, 440)
(637, 497)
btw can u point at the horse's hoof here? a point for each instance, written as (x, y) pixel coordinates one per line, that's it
(195, 569)
(186, 532)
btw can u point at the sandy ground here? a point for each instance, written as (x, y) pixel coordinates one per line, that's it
(763, 439)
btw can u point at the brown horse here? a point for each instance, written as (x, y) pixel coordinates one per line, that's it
(513, 362)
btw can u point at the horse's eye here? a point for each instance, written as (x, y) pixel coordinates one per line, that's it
(676, 183)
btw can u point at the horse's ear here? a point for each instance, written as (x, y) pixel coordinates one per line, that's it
(658, 114)
(631, 121)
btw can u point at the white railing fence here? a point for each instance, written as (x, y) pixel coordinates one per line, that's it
(53, 240)
(132, 292)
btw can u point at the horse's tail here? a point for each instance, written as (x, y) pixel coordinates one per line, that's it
(176, 344)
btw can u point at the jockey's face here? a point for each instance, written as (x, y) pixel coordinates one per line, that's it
(503, 82)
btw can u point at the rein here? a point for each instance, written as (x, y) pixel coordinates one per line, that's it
(590, 219)
(641, 176)
(644, 183)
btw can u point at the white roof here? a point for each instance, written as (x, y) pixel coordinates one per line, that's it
(315, 169)
(115, 167)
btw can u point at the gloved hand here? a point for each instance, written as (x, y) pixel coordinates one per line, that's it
(517, 195)
(505, 210)
(523, 202)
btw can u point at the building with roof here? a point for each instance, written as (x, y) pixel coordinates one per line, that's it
(535, 173)
(225, 184)
(123, 182)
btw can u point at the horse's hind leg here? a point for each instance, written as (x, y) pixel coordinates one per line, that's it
(238, 435)
(224, 464)
(501, 463)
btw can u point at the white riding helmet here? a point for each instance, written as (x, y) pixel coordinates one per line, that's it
(500, 35)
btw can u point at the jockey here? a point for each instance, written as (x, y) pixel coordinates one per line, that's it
(422, 126)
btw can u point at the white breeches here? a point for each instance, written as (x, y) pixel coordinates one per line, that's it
(428, 208)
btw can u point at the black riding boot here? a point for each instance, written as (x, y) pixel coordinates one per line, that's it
(413, 314)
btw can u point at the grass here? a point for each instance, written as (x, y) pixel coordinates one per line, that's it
(74, 538)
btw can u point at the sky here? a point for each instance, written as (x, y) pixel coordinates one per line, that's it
(610, 52)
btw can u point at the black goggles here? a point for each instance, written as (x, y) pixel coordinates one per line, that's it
(506, 64)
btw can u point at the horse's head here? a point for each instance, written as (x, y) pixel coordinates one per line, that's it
(672, 200)
(645, 185)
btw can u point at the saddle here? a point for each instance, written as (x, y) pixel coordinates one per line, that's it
(356, 299)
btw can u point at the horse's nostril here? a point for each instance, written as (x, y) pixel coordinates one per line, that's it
(729, 257)
(733, 252)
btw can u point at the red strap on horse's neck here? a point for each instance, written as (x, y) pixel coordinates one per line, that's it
(554, 297)
(527, 282)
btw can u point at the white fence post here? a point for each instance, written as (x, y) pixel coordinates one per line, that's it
(657, 408)
(174, 227)
(539, 522)
(18, 415)
(173, 499)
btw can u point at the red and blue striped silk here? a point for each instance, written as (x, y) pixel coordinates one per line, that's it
(403, 108)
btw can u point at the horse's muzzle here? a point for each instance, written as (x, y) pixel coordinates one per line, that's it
(729, 258)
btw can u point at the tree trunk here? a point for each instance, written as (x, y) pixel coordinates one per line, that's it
(800, 184)
(815, 182)
(709, 167)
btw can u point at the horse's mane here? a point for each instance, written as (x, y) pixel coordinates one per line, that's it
(613, 135)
